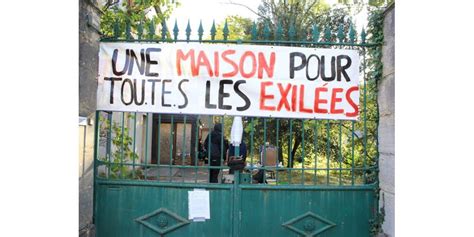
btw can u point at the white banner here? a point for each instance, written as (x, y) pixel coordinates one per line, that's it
(218, 79)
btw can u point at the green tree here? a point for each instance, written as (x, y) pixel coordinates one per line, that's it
(239, 28)
(301, 16)
(341, 142)
(135, 13)
(120, 150)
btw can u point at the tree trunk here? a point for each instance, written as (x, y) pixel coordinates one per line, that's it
(293, 152)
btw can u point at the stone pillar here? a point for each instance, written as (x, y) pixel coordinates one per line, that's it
(89, 36)
(386, 131)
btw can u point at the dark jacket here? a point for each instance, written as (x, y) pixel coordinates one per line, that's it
(216, 136)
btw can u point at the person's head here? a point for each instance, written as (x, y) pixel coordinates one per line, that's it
(218, 127)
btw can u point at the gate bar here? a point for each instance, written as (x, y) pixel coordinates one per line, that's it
(278, 149)
(146, 145)
(159, 147)
(183, 147)
(171, 146)
(303, 153)
(264, 148)
(327, 151)
(340, 153)
(134, 142)
(123, 148)
(196, 148)
(315, 140)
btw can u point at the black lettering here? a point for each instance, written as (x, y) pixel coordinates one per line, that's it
(133, 58)
(316, 66)
(112, 80)
(153, 81)
(184, 94)
(292, 63)
(129, 82)
(208, 95)
(136, 93)
(242, 95)
(323, 70)
(223, 95)
(342, 69)
(149, 62)
(163, 92)
(114, 63)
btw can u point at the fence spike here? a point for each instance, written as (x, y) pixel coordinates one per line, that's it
(200, 30)
(292, 31)
(213, 30)
(254, 31)
(116, 29)
(128, 29)
(175, 30)
(164, 30)
(279, 31)
(266, 31)
(304, 36)
(151, 30)
(188, 31)
(140, 30)
(340, 33)
(363, 35)
(327, 34)
(225, 30)
(315, 33)
(352, 33)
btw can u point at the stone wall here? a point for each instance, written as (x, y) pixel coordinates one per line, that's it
(89, 18)
(86, 170)
(386, 100)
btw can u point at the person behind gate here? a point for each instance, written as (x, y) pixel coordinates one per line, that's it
(215, 151)
(238, 164)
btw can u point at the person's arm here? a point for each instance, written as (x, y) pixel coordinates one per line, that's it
(226, 160)
(226, 145)
(229, 154)
(206, 144)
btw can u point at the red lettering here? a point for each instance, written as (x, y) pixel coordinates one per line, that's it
(293, 98)
(284, 94)
(232, 63)
(318, 100)
(263, 65)
(254, 64)
(216, 64)
(334, 100)
(203, 61)
(302, 108)
(181, 56)
(351, 102)
(264, 96)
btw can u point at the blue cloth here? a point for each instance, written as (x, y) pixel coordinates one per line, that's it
(242, 150)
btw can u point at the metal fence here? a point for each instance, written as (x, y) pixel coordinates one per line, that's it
(168, 147)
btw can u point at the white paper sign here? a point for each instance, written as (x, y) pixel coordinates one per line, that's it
(220, 79)
(198, 203)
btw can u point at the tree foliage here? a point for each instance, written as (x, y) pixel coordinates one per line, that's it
(135, 13)
(239, 28)
(343, 143)
(303, 15)
(120, 150)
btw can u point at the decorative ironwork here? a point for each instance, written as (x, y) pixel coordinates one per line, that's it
(309, 224)
(162, 221)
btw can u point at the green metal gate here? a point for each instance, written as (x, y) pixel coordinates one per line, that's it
(326, 184)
